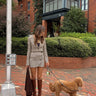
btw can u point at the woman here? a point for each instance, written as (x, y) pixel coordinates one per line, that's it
(36, 55)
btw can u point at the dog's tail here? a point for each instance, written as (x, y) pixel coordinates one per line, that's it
(51, 87)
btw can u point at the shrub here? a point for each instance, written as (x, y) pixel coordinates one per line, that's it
(68, 47)
(2, 45)
(92, 43)
(19, 45)
(74, 21)
(52, 47)
(76, 35)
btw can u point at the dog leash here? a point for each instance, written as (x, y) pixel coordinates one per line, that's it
(60, 81)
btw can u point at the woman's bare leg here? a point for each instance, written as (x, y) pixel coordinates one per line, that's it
(39, 73)
(33, 75)
(39, 76)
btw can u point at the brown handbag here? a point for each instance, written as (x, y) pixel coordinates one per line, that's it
(28, 84)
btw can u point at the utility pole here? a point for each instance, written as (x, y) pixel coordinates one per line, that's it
(8, 88)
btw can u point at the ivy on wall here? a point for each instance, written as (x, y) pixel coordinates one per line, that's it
(38, 10)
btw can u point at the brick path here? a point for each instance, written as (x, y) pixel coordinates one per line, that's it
(88, 75)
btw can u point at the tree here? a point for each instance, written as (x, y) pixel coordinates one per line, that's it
(74, 21)
(2, 2)
(3, 22)
(20, 24)
(38, 10)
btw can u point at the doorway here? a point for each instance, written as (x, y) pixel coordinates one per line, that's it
(53, 26)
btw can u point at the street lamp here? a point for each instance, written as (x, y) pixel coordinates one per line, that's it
(8, 88)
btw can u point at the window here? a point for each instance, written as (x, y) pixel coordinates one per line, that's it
(29, 5)
(84, 4)
(55, 4)
(52, 5)
(68, 3)
(21, 5)
(72, 3)
(28, 17)
(59, 4)
(47, 5)
(76, 3)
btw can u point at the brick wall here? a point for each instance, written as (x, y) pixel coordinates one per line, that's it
(28, 12)
(59, 62)
(92, 15)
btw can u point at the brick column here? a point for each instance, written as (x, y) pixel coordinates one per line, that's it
(61, 19)
(44, 23)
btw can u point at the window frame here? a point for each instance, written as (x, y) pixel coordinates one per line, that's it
(28, 17)
(28, 5)
(84, 5)
(48, 1)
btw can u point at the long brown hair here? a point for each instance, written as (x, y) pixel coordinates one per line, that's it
(38, 31)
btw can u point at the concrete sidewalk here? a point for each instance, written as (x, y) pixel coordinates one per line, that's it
(18, 78)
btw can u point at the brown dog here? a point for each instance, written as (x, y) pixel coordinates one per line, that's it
(72, 87)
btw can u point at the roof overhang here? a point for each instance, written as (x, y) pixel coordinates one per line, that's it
(55, 14)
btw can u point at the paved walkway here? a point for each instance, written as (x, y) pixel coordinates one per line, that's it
(18, 78)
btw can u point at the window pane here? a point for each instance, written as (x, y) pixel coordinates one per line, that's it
(47, 7)
(68, 3)
(86, 7)
(82, 7)
(55, 4)
(72, 2)
(76, 3)
(28, 17)
(86, 2)
(51, 6)
(82, 2)
(28, 5)
(59, 4)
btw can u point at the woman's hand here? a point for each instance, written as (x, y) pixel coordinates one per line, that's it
(47, 64)
(26, 66)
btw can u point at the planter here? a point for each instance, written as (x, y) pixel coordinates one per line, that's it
(59, 62)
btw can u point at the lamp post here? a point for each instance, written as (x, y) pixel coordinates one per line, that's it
(8, 88)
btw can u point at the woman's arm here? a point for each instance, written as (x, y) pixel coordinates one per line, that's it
(28, 51)
(45, 52)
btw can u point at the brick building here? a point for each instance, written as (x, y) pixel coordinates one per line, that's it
(54, 11)
(27, 6)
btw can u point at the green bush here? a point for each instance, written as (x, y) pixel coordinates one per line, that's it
(74, 21)
(68, 47)
(76, 35)
(19, 45)
(2, 45)
(92, 43)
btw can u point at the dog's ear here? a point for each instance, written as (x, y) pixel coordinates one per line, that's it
(79, 81)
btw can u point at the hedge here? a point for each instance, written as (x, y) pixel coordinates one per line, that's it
(19, 45)
(92, 43)
(2, 45)
(68, 47)
(76, 35)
